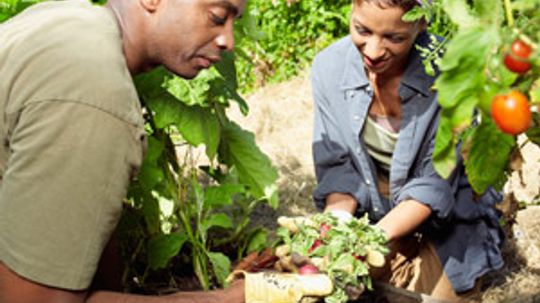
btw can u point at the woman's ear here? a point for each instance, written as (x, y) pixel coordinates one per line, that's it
(150, 5)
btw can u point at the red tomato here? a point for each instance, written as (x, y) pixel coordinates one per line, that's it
(511, 112)
(308, 269)
(517, 59)
(324, 229)
(315, 244)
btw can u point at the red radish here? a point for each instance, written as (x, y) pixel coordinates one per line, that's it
(324, 229)
(315, 244)
(308, 269)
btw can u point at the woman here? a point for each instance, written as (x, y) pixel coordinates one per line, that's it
(375, 122)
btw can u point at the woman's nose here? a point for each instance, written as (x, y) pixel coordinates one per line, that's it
(374, 49)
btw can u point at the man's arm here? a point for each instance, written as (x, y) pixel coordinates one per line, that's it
(15, 289)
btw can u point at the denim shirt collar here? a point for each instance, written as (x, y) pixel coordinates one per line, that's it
(414, 78)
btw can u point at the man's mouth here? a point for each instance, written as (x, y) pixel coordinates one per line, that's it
(207, 61)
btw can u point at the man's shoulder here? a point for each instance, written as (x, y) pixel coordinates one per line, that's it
(68, 50)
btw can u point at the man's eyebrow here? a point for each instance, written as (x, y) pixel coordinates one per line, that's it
(229, 6)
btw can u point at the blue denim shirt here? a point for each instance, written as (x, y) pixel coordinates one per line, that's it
(464, 230)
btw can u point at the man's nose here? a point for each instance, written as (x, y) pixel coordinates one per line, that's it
(225, 40)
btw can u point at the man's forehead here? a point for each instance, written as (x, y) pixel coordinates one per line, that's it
(234, 6)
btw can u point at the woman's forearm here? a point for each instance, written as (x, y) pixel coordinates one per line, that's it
(404, 219)
(340, 201)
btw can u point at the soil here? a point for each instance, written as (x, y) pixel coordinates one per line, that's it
(281, 116)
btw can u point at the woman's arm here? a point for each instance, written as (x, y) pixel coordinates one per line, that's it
(403, 219)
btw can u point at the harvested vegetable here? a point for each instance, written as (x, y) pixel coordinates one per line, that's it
(345, 251)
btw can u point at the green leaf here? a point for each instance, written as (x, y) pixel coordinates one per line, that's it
(460, 13)
(258, 240)
(151, 212)
(414, 14)
(535, 92)
(534, 132)
(151, 173)
(444, 155)
(488, 157)
(197, 125)
(217, 220)
(221, 266)
(470, 47)
(238, 149)
(222, 195)
(162, 248)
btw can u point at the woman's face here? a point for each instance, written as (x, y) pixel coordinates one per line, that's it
(383, 39)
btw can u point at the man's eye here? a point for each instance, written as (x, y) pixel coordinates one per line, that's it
(218, 20)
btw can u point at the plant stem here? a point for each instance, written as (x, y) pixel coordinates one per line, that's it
(509, 15)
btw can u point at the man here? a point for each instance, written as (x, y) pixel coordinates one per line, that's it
(72, 134)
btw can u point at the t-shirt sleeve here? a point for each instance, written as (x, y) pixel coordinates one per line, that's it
(61, 196)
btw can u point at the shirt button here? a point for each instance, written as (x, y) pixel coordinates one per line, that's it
(376, 209)
(351, 94)
(358, 150)
(356, 118)
(368, 182)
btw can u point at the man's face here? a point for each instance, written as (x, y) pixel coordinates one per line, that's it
(189, 35)
(383, 39)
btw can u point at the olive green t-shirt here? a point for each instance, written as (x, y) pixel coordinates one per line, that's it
(71, 138)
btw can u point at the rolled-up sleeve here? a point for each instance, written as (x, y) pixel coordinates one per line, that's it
(334, 168)
(428, 187)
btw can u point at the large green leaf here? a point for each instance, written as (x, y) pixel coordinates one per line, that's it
(162, 248)
(488, 157)
(221, 266)
(197, 125)
(444, 155)
(217, 220)
(460, 13)
(239, 150)
(222, 195)
(258, 240)
(151, 173)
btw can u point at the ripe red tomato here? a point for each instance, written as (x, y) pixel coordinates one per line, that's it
(324, 229)
(511, 112)
(308, 269)
(517, 59)
(315, 244)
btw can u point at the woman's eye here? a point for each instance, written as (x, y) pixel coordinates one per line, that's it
(362, 31)
(396, 39)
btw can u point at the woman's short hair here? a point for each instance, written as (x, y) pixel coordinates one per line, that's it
(406, 5)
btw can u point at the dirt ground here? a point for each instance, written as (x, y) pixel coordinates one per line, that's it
(281, 117)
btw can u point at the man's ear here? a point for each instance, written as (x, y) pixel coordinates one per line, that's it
(150, 5)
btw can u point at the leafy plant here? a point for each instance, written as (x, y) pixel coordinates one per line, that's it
(178, 219)
(345, 251)
(292, 33)
(490, 48)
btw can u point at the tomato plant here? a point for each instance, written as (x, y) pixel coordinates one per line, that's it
(511, 112)
(517, 58)
(492, 49)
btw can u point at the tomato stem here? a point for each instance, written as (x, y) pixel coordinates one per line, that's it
(509, 16)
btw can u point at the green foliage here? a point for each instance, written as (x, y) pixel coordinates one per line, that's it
(472, 73)
(179, 219)
(294, 32)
